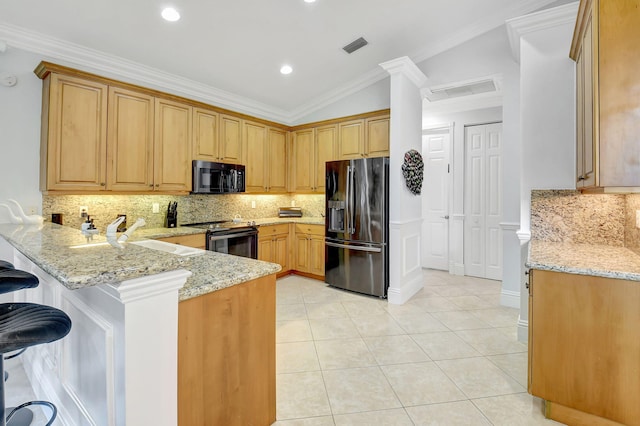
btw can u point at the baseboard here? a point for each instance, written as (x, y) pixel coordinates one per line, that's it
(457, 269)
(306, 275)
(400, 295)
(571, 416)
(510, 299)
(523, 330)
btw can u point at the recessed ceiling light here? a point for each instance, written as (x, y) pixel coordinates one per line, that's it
(170, 14)
(309, 1)
(286, 69)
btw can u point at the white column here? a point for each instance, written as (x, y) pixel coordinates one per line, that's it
(405, 209)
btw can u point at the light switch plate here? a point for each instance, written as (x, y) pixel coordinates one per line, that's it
(155, 207)
(253, 204)
(637, 218)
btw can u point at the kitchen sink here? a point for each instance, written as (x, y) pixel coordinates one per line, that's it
(169, 247)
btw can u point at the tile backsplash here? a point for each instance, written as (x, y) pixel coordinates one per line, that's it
(104, 209)
(569, 216)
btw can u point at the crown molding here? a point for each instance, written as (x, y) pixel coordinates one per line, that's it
(462, 103)
(537, 21)
(406, 67)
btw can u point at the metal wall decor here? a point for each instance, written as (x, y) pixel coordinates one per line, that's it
(413, 171)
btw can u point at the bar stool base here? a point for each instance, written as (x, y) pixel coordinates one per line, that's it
(22, 417)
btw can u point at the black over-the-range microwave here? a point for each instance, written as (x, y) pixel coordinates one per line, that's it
(217, 178)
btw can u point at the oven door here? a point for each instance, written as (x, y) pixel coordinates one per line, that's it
(244, 243)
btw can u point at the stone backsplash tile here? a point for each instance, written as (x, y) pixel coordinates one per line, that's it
(632, 233)
(104, 209)
(569, 216)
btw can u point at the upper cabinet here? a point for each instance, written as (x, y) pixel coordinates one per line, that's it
(266, 156)
(230, 149)
(311, 149)
(74, 135)
(172, 146)
(607, 56)
(363, 138)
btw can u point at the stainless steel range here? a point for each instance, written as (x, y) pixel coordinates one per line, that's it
(239, 239)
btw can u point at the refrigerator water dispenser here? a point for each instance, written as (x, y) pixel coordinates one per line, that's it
(336, 216)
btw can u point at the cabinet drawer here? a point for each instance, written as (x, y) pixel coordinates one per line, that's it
(273, 230)
(193, 240)
(310, 229)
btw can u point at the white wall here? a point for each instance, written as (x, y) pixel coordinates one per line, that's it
(20, 107)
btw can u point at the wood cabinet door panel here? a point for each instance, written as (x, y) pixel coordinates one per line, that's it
(302, 253)
(255, 136)
(281, 251)
(303, 160)
(277, 163)
(172, 147)
(265, 249)
(230, 145)
(130, 140)
(377, 137)
(316, 254)
(77, 134)
(351, 139)
(205, 135)
(325, 151)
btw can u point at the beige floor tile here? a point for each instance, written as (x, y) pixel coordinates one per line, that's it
(361, 308)
(470, 302)
(444, 345)
(318, 295)
(511, 332)
(519, 409)
(491, 341)
(460, 413)
(296, 357)
(358, 390)
(419, 323)
(378, 325)
(479, 377)
(452, 290)
(344, 353)
(296, 311)
(301, 395)
(515, 365)
(333, 328)
(427, 292)
(497, 317)
(434, 304)
(460, 320)
(406, 309)
(326, 310)
(310, 421)
(288, 297)
(18, 390)
(395, 417)
(421, 383)
(293, 331)
(395, 350)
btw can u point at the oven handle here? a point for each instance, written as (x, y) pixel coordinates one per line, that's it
(229, 236)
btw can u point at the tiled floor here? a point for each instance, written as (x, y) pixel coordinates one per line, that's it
(447, 357)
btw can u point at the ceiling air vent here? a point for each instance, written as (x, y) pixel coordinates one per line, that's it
(355, 45)
(466, 88)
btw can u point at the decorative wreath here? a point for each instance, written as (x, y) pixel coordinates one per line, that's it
(413, 171)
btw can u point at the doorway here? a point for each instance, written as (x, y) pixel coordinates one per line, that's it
(483, 201)
(436, 147)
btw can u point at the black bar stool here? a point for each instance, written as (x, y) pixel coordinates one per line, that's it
(6, 265)
(28, 324)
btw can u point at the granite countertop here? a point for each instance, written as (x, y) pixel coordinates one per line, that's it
(77, 261)
(585, 259)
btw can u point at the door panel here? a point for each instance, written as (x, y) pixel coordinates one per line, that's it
(355, 269)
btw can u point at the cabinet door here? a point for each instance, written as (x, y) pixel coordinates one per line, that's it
(589, 153)
(130, 141)
(277, 165)
(302, 253)
(172, 147)
(580, 121)
(316, 255)
(351, 139)
(303, 160)
(377, 137)
(265, 249)
(325, 151)
(255, 136)
(205, 135)
(230, 141)
(281, 251)
(75, 151)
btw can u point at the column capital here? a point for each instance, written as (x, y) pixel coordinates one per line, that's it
(405, 66)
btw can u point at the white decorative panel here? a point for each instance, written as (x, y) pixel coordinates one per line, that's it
(411, 253)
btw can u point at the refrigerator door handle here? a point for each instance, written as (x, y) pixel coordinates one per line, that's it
(347, 204)
(352, 208)
(356, 248)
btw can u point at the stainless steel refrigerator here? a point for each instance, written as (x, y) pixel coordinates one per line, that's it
(357, 225)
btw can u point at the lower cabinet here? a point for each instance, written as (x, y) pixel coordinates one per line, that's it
(226, 356)
(584, 350)
(309, 244)
(273, 245)
(194, 240)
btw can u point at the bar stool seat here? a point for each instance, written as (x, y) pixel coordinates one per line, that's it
(6, 265)
(28, 324)
(15, 279)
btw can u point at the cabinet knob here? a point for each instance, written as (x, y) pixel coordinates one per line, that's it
(150, 185)
(103, 184)
(157, 185)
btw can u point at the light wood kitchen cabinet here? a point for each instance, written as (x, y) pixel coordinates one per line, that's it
(172, 146)
(607, 55)
(274, 246)
(193, 240)
(584, 351)
(309, 244)
(74, 135)
(312, 148)
(363, 138)
(130, 140)
(266, 149)
(227, 356)
(216, 142)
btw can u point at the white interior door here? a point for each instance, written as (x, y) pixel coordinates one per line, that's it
(483, 201)
(435, 201)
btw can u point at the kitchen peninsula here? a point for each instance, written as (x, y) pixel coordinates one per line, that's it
(149, 328)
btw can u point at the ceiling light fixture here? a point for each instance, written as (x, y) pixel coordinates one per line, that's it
(309, 1)
(170, 14)
(286, 69)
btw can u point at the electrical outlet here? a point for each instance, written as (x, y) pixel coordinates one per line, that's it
(637, 218)
(293, 203)
(253, 204)
(155, 207)
(84, 212)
